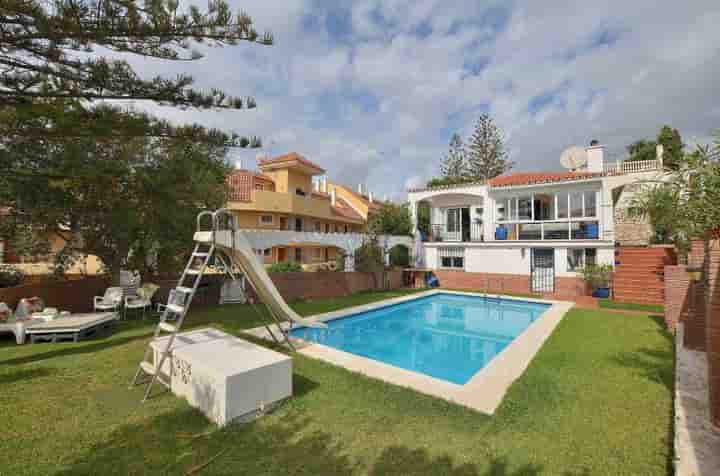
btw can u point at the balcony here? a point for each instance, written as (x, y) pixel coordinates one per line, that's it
(471, 232)
(548, 230)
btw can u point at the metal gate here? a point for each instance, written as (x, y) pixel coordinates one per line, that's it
(542, 270)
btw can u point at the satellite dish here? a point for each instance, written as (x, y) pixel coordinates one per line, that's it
(573, 158)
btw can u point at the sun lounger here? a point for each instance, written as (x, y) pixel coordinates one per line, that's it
(74, 327)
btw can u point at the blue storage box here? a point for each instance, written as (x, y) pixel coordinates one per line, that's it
(501, 233)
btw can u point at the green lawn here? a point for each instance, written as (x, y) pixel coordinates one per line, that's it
(628, 306)
(596, 400)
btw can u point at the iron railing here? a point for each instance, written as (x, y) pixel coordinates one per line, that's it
(472, 232)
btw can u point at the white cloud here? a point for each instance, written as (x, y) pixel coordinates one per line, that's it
(373, 91)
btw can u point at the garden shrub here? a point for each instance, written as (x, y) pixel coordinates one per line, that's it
(284, 268)
(399, 256)
(10, 276)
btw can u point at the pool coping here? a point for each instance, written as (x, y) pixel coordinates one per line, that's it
(483, 392)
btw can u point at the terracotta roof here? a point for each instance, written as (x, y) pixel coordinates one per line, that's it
(291, 157)
(530, 178)
(343, 209)
(321, 194)
(374, 205)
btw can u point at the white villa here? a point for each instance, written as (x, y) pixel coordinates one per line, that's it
(535, 227)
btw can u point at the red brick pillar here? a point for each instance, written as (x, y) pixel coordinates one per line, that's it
(694, 332)
(712, 320)
(677, 283)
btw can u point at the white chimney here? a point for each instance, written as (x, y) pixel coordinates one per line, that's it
(333, 198)
(595, 157)
(385, 198)
(370, 197)
(360, 187)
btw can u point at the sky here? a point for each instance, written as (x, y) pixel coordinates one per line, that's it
(372, 90)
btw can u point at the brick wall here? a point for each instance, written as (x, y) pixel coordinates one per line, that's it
(565, 287)
(330, 284)
(677, 287)
(74, 295)
(712, 322)
(694, 332)
(638, 276)
(484, 281)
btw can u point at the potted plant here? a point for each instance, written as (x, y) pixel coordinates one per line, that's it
(598, 276)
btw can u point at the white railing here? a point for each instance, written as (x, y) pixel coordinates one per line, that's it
(633, 166)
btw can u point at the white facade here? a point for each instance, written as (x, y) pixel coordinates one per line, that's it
(510, 228)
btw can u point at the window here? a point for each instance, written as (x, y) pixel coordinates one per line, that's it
(346, 228)
(590, 203)
(452, 257)
(317, 253)
(562, 205)
(300, 192)
(318, 226)
(258, 186)
(500, 211)
(524, 208)
(577, 258)
(298, 224)
(298, 255)
(267, 252)
(327, 227)
(576, 204)
(266, 219)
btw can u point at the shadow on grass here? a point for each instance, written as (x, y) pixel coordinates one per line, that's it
(27, 374)
(182, 442)
(83, 347)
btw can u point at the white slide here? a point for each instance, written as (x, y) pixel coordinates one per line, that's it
(242, 254)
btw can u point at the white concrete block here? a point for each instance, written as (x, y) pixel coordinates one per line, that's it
(226, 377)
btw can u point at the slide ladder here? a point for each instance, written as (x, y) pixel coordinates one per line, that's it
(231, 256)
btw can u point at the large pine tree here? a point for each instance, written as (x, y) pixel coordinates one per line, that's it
(487, 157)
(454, 164)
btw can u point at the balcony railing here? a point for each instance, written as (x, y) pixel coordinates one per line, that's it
(467, 233)
(548, 230)
(632, 166)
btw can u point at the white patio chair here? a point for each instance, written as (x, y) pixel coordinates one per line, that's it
(142, 299)
(110, 301)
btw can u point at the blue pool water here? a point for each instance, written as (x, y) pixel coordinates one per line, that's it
(447, 336)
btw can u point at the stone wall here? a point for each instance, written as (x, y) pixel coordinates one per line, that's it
(630, 230)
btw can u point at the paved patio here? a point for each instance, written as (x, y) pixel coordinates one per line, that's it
(697, 442)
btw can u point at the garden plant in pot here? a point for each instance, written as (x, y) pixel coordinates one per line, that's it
(599, 277)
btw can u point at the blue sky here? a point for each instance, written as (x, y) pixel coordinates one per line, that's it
(372, 90)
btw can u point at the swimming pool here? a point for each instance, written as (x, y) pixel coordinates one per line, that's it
(446, 336)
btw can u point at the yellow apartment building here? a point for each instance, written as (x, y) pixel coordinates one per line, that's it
(286, 194)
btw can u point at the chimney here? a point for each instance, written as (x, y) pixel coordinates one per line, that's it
(333, 198)
(595, 157)
(238, 164)
(385, 198)
(370, 197)
(360, 187)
